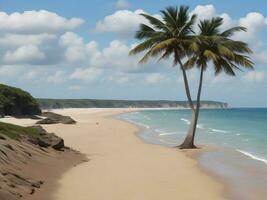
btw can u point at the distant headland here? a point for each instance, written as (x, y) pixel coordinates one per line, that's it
(101, 103)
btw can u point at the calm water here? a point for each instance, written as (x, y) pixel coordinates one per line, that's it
(243, 130)
(241, 133)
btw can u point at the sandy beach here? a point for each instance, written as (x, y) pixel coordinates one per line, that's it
(122, 167)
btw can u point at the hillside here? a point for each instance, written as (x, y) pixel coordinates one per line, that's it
(97, 103)
(14, 101)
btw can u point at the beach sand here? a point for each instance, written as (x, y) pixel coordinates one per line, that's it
(122, 167)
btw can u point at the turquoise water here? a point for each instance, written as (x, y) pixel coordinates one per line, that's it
(243, 130)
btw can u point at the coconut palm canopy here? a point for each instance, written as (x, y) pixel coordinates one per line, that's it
(170, 35)
(213, 45)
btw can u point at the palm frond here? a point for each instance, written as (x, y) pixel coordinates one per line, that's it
(145, 45)
(230, 32)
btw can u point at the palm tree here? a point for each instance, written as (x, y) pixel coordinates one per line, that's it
(169, 36)
(173, 35)
(226, 55)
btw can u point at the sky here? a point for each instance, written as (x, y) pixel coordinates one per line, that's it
(79, 49)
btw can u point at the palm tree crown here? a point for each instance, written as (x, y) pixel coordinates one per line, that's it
(167, 36)
(212, 45)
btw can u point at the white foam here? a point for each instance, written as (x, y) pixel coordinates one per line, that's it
(137, 123)
(144, 125)
(185, 120)
(200, 126)
(218, 130)
(170, 133)
(252, 156)
(159, 131)
(146, 117)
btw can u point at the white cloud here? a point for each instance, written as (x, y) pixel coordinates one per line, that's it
(209, 11)
(254, 76)
(10, 70)
(36, 22)
(15, 40)
(154, 78)
(86, 75)
(204, 11)
(75, 87)
(254, 22)
(124, 22)
(119, 78)
(260, 57)
(58, 77)
(24, 54)
(75, 47)
(115, 55)
(122, 4)
(31, 74)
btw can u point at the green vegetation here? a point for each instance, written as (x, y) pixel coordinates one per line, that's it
(17, 132)
(97, 103)
(14, 101)
(176, 36)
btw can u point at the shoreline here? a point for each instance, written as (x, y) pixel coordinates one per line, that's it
(164, 172)
(234, 188)
(106, 124)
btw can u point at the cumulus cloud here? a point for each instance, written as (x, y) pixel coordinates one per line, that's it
(24, 54)
(75, 87)
(86, 75)
(14, 40)
(119, 78)
(154, 78)
(254, 76)
(121, 4)
(49, 39)
(58, 77)
(75, 47)
(30, 74)
(36, 22)
(31, 37)
(114, 56)
(209, 11)
(204, 11)
(124, 22)
(7, 71)
(254, 22)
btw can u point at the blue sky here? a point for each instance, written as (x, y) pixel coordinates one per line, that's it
(79, 49)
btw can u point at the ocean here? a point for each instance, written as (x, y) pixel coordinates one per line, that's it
(240, 134)
(241, 129)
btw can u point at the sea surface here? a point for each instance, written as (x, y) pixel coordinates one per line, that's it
(240, 134)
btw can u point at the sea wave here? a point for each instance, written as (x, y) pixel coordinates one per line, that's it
(185, 120)
(146, 117)
(253, 156)
(218, 130)
(200, 126)
(137, 123)
(169, 133)
(158, 130)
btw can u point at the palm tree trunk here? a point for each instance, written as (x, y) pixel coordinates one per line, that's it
(187, 89)
(190, 137)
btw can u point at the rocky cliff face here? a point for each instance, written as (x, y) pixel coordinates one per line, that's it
(14, 101)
